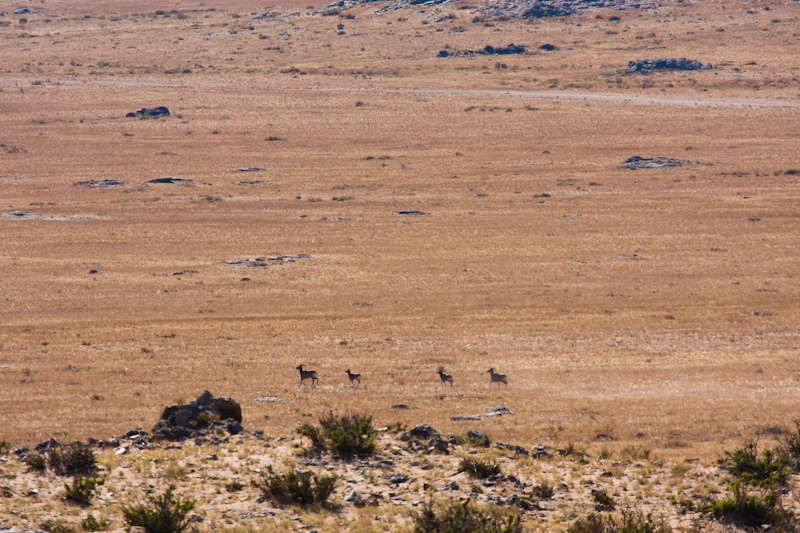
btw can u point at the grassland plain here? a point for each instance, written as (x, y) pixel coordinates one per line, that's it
(655, 307)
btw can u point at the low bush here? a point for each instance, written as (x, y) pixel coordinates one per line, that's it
(542, 492)
(302, 489)
(346, 436)
(72, 459)
(58, 526)
(164, 514)
(82, 490)
(90, 523)
(36, 461)
(457, 517)
(478, 468)
(753, 507)
(764, 469)
(603, 499)
(628, 522)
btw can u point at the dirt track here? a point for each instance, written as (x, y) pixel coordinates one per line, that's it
(553, 95)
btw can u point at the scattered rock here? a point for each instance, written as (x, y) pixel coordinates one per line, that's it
(252, 169)
(270, 399)
(23, 11)
(47, 445)
(513, 448)
(22, 215)
(354, 498)
(250, 182)
(465, 417)
(25, 215)
(152, 112)
(450, 486)
(267, 14)
(547, 47)
(100, 184)
(409, 212)
(397, 478)
(423, 431)
(400, 406)
(93, 271)
(478, 439)
(170, 180)
(6, 529)
(497, 411)
(644, 66)
(636, 162)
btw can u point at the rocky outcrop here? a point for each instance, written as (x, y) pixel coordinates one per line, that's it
(636, 162)
(203, 415)
(645, 66)
(486, 50)
(524, 9)
(150, 112)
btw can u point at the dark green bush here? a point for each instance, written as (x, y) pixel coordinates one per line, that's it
(791, 445)
(58, 526)
(164, 514)
(603, 499)
(302, 489)
(628, 522)
(234, 486)
(36, 461)
(478, 468)
(753, 507)
(456, 517)
(347, 436)
(768, 468)
(90, 523)
(543, 491)
(82, 489)
(72, 459)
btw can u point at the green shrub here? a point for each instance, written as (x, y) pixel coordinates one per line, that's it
(58, 526)
(313, 433)
(82, 490)
(347, 436)
(456, 517)
(603, 499)
(753, 507)
(302, 489)
(628, 522)
(90, 523)
(71, 459)
(770, 467)
(543, 491)
(36, 461)
(164, 514)
(791, 445)
(234, 486)
(478, 468)
(5, 447)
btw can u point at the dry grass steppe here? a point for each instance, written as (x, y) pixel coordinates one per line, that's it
(631, 309)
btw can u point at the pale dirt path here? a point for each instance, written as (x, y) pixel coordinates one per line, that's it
(230, 88)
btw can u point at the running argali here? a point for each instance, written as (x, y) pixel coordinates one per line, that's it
(497, 378)
(444, 377)
(307, 374)
(353, 377)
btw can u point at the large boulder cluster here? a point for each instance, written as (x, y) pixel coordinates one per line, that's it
(202, 416)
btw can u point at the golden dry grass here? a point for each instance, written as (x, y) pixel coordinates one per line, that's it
(652, 306)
